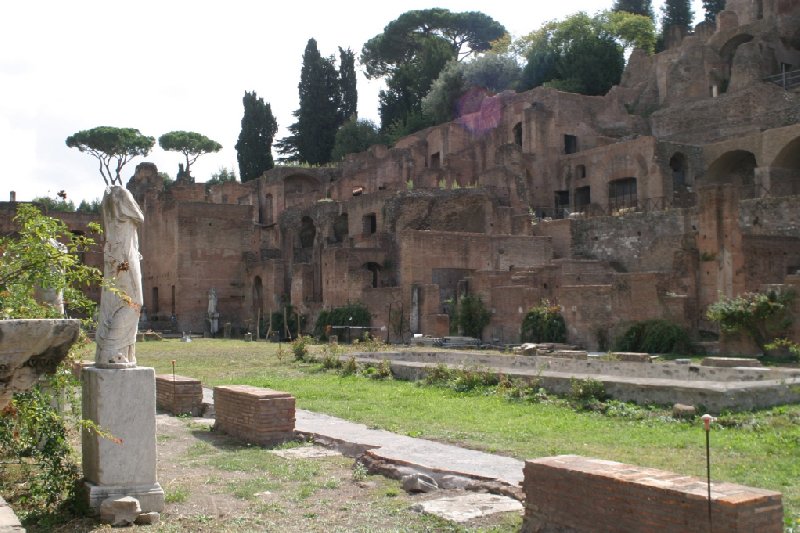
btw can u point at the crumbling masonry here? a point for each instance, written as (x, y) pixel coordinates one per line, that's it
(680, 185)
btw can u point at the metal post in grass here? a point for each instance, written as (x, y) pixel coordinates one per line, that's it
(707, 424)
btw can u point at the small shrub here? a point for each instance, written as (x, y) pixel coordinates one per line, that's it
(472, 316)
(438, 375)
(762, 316)
(349, 315)
(300, 348)
(382, 370)
(350, 367)
(586, 393)
(544, 323)
(655, 336)
(330, 357)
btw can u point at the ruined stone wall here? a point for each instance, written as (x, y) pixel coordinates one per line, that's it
(635, 241)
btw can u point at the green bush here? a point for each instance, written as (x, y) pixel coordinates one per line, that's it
(544, 323)
(471, 316)
(350, 367)
(761, 315)
(655, 336)
(300, 348)
(349, 315)
(586, 393)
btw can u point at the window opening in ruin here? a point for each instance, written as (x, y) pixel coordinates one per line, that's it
(678, 165)
(375, 269)
(582, 198)
(518, 134)
(154, 304)
(265, 211)
(358, 191)
(622, 193)
(172, 301)
(307, 232)
(341, 227)
(759, 9)
(570, 144)
(561, 204)
(370, 224)
(580, 171)
(435, 160)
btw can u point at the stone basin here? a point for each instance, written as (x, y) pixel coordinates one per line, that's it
(31, 348)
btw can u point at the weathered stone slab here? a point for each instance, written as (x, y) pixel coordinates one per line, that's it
(120, 511)
(468, 507)
(632, 357)
(419, 483)
(728, 362)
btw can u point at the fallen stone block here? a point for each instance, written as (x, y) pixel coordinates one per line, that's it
(632, 357)
(468, 507)
(680, 410)
(729, 362)
(148, 519)
(120, 511)
(419, 483)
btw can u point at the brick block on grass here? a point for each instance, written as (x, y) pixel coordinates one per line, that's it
(179, 395)
(253, 414)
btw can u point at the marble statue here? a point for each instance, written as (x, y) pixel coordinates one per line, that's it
(121, 303)
(212, 302)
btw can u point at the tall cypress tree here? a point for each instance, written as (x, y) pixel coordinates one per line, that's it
(254, 146)
(713, 7)
(322, 107)
(676, 13)
(347, 80)
(637, 7)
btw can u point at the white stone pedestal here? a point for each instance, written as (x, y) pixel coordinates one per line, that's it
(123, 403)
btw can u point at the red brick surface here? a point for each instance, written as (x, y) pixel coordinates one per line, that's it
(255, 415)
(179, 395)
(577, 494)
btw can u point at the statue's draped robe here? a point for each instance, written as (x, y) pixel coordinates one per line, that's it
(120, 304)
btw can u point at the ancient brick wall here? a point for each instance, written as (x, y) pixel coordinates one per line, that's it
(610, 497)
(179, 395)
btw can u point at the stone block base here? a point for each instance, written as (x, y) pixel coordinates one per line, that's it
(151, 497)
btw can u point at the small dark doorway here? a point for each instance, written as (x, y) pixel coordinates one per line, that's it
(561, 203)
(374, 269)
(518, 134)
(582, 198)
(307, 232)
(370, 224)
(570, 144)
(678, 165)
(154, 303)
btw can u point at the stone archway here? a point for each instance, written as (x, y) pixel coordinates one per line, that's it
(736, 167)
(784, 172)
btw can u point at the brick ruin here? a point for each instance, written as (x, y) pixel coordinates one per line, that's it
(679, 185)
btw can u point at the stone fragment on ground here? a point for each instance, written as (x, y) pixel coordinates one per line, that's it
(120, 511)
(305, 452)
(680, 410)
(148, 519)
(419, 483)
(468, 507)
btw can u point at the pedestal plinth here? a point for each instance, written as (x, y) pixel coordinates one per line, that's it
(123, 403)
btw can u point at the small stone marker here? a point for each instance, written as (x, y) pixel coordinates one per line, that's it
(680, 410)
(419, 483)
(470, 506)
(120, 511)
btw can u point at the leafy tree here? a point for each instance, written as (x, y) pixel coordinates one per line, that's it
(109, 144)
(92, 207)
(544, 323)
(630, 30)
(221, 176)
(413, 49)
(579, 54)
(355, 136)
(348, 86)
(192, 145)
(762, 316)
(637, 7)
(254, 146)
(31, 259)
(60, 205)
(472, 316)
(713, 7)
(492, 72)
(320, 113)
(676, 13)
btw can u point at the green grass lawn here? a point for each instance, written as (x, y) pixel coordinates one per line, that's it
(758, 449)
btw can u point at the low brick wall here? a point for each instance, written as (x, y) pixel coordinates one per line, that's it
(573, 494)
(255, 415)
(179, 395)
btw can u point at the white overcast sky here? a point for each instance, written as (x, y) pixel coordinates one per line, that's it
(170, 65)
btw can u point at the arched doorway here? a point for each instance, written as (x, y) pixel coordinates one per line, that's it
(736, 167)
